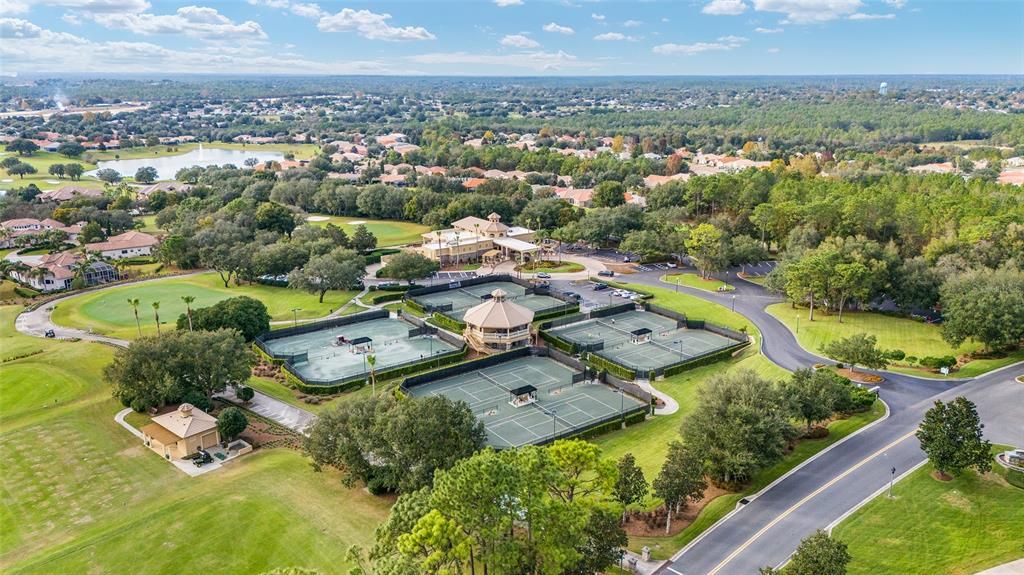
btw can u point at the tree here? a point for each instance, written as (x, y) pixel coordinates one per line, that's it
(852, 280)
(362, 240)
(371, 360)
(74, 171)
(22, 146)
(858, 349)
(156, 315)
(20, 169)
(916, 285)
(742, 425)
(134, 302)
(275, 217)
(231, 422)
(817, 554)
(246, 315)
(951, 435)
(601, 543)
(807, 279)
(245, 393)
(706, 244)
(146, 175)
(339, 270)
(70, 149)
(609, 194)
(630, 484)
(681, 479)
(108, 175)
(224, 248)
(984, 305)
(814, 394)
(188, 299)
(409, 266)
(56, 170)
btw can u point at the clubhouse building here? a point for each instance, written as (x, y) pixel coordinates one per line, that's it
(472, 240)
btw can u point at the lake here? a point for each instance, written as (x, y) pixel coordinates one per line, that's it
(167, 166)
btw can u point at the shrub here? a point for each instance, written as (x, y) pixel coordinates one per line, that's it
(245, 393)
(198, 399)
(896, 354)
(231, 422)
(938, 362)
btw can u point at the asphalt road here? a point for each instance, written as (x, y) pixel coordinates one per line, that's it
(819, 493)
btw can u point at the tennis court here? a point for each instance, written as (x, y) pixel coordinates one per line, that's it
(462, 298)
(669, 343)
(330, 359)
(561, 406)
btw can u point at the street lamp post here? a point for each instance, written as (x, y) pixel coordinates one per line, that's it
(892, 477)
(295, 316)
(734, 302)
(798, 324)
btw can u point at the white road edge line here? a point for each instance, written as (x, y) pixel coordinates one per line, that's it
(806, 462)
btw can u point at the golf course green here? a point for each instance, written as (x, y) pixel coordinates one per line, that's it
(387, 232)
(108, 312)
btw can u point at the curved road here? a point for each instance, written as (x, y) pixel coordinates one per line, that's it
(818, 493)
(826, 488)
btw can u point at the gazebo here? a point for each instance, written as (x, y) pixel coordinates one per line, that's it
(497, 324)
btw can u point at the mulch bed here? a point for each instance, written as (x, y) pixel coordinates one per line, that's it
(652, 523)
(860, 376)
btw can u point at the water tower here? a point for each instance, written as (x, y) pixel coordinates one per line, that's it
(883, 88)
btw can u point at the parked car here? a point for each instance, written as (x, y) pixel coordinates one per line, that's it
(544, 275)
(201, 458)
(672, 265)
(572, 295)
(606, 273)
(600, 286)
(50, 334)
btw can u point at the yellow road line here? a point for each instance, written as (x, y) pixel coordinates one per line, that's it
(798, 504)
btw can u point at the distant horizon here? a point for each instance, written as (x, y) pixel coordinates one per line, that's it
(174, 75)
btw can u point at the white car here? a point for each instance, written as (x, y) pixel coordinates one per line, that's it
(672, 265)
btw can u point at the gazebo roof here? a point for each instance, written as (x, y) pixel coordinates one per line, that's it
(498, 313)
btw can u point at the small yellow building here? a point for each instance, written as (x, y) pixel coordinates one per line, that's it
(181, 432)
(497, 324)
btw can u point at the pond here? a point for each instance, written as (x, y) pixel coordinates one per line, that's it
(167, 166)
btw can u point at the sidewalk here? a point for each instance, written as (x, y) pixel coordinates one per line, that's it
(292, 417)
(1011, 568)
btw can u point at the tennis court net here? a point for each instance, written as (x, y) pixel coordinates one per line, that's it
(492, 381)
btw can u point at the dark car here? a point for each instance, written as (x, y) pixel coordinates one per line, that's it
(49, 333)
(606, 273)
(201, 458)
(600, 286)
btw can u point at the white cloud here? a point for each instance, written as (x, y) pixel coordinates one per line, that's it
(733, 39)
(613, 37)
(371, 26)
(311, 11)
(38, 49)
(9, 7)
(862, 16)
(558, 29)
(278, 4)
(897, 4)
(632, 23)
(505, 3)
(725, 7)
(691, 49)
(809, 11)
(768, 30)
(774, 50)
(540, 61)
(519, 41)
(598, 17)
(664, 20)
(196, 21)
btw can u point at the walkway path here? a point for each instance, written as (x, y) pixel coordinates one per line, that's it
(1011, 568)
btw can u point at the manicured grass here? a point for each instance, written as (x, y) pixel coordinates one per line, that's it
(41, 251)
(695, 307)
(914, 338)
(388, 232)
(82, 495)
(279, 391)
(107, 311)
(552, 267)
(695, 281)
(933, 527)
(148, 224)
(759, 280)
(301, 151)
(42, 161)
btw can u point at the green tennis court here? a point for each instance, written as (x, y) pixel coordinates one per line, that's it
(561, 405)
(462, 298)
(329, 358)
(669, 343)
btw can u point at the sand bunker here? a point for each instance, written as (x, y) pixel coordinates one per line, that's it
(317, 218)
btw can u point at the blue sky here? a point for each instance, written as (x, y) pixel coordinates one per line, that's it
(513, 37)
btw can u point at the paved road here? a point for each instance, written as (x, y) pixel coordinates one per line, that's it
(823, 490)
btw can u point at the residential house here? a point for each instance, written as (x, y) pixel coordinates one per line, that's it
(68, 193)
(127, 245)
(54, 272)
(12, 230)
(581, 198)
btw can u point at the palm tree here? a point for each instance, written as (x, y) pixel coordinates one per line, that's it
(372, 360)
(134, 302)
(188, 299)
(156, 313)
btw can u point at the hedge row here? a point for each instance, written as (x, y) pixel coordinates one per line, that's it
(608, 426)
(415, 306)
(374, 256)
(556, 313)
(601, 364)
(703, 360)
(384, 375)
(558, 343)
(1015, 478)
(381, 297)
(294, 382)
(441, 320)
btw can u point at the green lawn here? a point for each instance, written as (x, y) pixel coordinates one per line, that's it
(82, 495)
(388, 232)
(694, 307)
(913, 337)
(301, 151)
(285, 394)
(932, 527)
(148, 224)
(695, 281)
(551, 267)
(107, 311)
(42, 161)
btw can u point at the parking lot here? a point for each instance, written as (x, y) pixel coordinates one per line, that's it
(590, 298)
